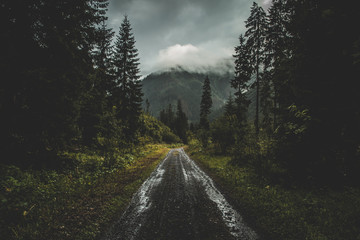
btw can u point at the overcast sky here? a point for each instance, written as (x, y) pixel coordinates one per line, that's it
(182, 32)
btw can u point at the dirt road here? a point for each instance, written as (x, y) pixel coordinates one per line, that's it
(179, 201)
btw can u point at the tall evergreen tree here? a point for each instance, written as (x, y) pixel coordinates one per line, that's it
(147, 106)
(256, 26)
(277, 56)
(181, 122)
(230, 107)
(205, 104)
(97, 105)
(102, 56)
(242, 78)
(168, 117)
(127, 94)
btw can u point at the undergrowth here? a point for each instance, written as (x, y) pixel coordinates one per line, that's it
(78, 203)
(283, 212)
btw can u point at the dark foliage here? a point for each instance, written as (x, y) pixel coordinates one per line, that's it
(176, 121)
(127, 94)
(46, 63)
(64, 86)
(205, 104)
(256, 25)
(305, 64)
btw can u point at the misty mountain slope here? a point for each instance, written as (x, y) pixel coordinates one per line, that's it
(250, 95)
(164, 88)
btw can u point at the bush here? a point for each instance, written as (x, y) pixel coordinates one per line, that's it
(155, 131)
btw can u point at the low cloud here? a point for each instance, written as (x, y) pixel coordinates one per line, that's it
(266, 4)
(194, 59)
(194, 30)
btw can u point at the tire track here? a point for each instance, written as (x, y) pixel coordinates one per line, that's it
(179, 201)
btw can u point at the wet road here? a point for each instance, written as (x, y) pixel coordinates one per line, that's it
(179, 201)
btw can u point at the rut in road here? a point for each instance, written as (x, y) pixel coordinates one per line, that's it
(179, 201)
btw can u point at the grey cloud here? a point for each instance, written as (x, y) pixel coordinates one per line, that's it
(160, 24)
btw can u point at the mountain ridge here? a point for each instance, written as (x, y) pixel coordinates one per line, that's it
(166, 87)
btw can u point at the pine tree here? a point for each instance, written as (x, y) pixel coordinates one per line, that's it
(242, 78)
(170, 117)
(147, 106)
(127, 94)
(102, 56)
(230, 107)
(276, 57)
(181, 122)
(256, 26)
(205, 104)
(97, 105)
(162, 116)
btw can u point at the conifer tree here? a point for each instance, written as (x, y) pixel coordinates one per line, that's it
(230, 107)
(102, 55)
(242, 77)
(181, 123)
(147, 106)
(170, 117)
(256, 26)
(127, 93)
(97, 104)
(205, 104)
(276, 56)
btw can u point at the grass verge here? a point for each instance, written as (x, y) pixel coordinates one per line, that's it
(279, 213)
(79, 204)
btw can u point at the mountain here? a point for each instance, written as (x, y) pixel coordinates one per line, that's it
(250, 95)
(166, 87)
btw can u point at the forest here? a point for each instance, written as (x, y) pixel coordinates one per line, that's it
(296, 162)
(74, 126)
(305, 66)
(71, 119)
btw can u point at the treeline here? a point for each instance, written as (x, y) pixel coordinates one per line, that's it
(305, 63)
(65, 86)
(177, 120)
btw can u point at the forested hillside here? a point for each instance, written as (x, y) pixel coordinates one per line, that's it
(164, 88)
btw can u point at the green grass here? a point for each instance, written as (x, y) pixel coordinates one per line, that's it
(78, 204)
(277, 212)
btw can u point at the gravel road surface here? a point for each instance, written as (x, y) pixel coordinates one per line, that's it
(179, 201)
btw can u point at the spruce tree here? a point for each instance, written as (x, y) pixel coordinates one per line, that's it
(170, 117)
(147, 106)
(230, 107)
(127, 93)
(256, 26)
(97, 105)
(242, 78)
(102, 56)
(205, 104)
(181, 122)
(276, 58)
